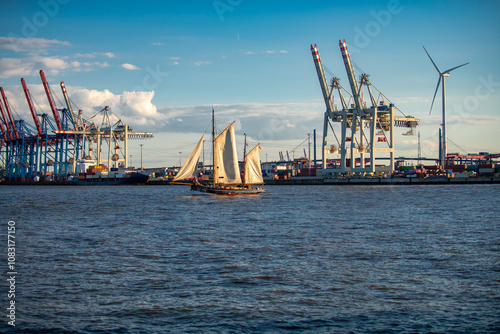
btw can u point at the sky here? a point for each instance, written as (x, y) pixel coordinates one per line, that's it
(161, 65)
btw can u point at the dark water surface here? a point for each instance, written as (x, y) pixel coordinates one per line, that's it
(313, 259)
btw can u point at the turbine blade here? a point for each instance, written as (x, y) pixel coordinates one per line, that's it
(454, 68)
(437, 87)
(437, 69)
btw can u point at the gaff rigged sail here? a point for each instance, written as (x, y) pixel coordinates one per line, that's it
(226, 170)
(189, 169)
(253, 171)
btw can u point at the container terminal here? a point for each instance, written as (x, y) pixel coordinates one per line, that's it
(68, 147)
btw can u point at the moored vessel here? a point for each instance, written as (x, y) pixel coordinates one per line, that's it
(91, 174)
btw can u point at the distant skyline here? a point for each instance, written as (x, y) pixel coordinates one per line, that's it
(161, 65)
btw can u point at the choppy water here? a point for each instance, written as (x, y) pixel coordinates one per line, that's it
(313, 259)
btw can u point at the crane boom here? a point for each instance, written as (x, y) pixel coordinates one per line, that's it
(68, 103)
(5, 121)
(32, 108)
(7, 108)
(51, 101)
(322, 79)
(351, 76)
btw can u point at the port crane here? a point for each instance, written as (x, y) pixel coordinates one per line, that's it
(360, 122)
(109, 134)
(57, 141)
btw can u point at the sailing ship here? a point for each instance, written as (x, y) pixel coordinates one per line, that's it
(226, 176)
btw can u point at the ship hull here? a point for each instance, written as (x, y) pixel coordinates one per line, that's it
(227, 190)
(133, 178)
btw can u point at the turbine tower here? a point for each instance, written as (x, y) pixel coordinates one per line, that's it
(442, 75)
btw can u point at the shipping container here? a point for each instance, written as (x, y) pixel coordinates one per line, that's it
(456, 167)
(486, 170)
(430, 167)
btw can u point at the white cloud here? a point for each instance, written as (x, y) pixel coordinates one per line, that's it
(93, 55)
(261, 121)
(202, 62)
(174, 58)
(457, 120)
(30, 45)
(158, 43)
(84, 55)
(274, 51)
(18, 67)
(134, 108)
(128, 104)
(247, 52)
(175, 63)
(130, 67)
(35, 58)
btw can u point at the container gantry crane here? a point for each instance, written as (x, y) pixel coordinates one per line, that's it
(363, 122)
(58, 141)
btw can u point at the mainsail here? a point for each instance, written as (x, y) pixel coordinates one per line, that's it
(253, 172)
(226, 170)
(189, 169)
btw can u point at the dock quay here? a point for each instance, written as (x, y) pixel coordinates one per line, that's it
(368, 181)
(316, 181)
(384, 181)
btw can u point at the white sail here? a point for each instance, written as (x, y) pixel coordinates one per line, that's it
(189, 169)
(226, 170)
(253, 171)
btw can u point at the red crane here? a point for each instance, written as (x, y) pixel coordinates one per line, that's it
(51, 101)
(7, 108)
(32, 108)
(5, 121)
(3, 132)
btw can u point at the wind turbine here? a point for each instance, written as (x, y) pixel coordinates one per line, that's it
(442, 75)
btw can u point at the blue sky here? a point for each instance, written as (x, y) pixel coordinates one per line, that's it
(160, 65)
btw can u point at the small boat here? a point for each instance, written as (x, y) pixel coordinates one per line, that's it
(226, 178)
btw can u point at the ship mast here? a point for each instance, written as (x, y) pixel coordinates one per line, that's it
(213, 146)
(244, 157)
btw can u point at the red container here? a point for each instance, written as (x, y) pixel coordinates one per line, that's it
(456, 168)
(432, 167)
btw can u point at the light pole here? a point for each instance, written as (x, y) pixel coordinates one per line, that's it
(309, 157)
(141, 155)
(267, 166)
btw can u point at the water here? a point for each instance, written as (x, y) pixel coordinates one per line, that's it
(312, 259)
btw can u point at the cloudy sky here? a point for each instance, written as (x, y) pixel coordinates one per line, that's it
(161, 65)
